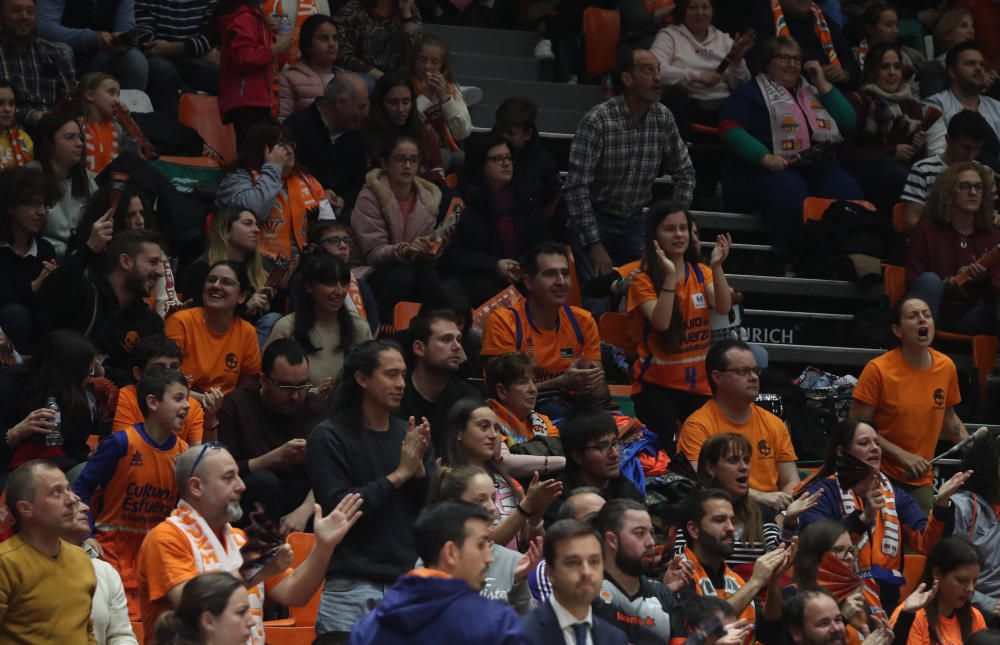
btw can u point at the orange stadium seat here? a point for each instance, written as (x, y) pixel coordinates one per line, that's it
(403, 313)
(202, 113)
(898, 222)
(300, 627)
(814, 207)
(913, 566)
(616, 329)
(601, 29)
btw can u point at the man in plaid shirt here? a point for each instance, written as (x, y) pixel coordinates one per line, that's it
(615, 156)
(38, 70)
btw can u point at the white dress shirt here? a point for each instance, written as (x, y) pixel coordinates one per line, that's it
(567, 620)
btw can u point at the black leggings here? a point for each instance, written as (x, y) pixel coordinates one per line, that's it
(663, 410)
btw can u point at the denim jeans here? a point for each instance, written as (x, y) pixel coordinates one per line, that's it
(980, 318)
(345, 601)
(168, 77)
(129, 67)
(622, 238)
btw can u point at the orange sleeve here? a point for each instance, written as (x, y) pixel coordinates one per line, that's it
(641, 291)
(978, 622)
(127, 413)
(499, 337)
(693, 434)
(954, 396)
(194, 425)
(591, 337)
(173, 328)
(251, 351)
(918, 630)
(166, 562)
(783, 443)
(924, 541)
(869, 387)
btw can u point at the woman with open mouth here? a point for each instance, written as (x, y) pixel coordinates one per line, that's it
(724, 462)
(873, 508)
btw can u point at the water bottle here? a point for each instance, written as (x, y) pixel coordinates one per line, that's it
(54, 438)
(284, 23)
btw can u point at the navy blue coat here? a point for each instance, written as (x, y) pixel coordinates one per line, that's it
(542, 628)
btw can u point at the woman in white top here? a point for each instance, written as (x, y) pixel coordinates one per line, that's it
(690, 52)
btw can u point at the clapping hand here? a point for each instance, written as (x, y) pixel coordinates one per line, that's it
(330, 530)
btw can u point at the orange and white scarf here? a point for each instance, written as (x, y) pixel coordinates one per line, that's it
(881, 547)
(821, 28)
(516, 431)
(103, 143)
(355, 303)
(306, 8)
(703, 586)
(211, 556)
(441, 125)
(18, 151)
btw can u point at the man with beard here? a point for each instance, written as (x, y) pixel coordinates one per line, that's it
(109, 307)
(734, 378)
(576, 570)
(708, 521)
(967, 76)
(432, 386)
(440, 602)
(813, 617)
(198, 538)
(645, 609)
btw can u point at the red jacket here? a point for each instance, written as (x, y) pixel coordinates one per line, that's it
(246, 68)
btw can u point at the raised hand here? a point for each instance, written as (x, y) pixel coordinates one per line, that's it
(952, 486)
(102, 231)
(678, 575)
(529, 561)
(541, 494)
(330, 530)
(802, 504)
(919, 598)
(723, 244)
(669, 269)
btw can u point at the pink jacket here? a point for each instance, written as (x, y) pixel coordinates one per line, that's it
(246, 65)
(298, 86)
(378, 224)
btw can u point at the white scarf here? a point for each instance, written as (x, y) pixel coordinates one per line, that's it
(212, 557)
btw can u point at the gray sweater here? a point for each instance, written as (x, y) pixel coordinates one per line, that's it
(976, 520)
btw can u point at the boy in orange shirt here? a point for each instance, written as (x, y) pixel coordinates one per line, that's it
(160, 350)
(561, 339)
(132, 475)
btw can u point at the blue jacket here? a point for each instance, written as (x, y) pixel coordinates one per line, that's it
(436, 611)
(542, 628)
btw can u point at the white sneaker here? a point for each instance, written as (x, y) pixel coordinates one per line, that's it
(471, 94)
(543, 50)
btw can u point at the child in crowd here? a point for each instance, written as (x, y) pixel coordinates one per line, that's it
(535, 168)
(103, 136)
(438, 97)
(158, 350)
(16, 147)
(132, 475)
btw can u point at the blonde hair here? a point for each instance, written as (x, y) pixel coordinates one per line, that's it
(939, 201)
(89, 83)
(948, 22)
(218, 246)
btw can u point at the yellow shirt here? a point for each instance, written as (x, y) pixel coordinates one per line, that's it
(45, 600)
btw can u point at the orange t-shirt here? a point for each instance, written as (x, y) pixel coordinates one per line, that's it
(769, 440)
(683, 369)
(552, 350)
(210, 359)
(948, 630)
(165, 561)
(127, 414)
(909, 404)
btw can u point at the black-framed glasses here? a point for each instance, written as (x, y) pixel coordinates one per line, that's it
(968, 186)
(744, 371)
(500, 159)
(214, 445)
(336, 240)
(606, 447)
(788, 58)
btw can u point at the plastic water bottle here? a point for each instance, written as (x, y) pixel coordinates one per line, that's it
(54, 438)
(284, 23)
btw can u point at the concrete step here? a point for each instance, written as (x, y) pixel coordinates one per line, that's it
(804, 287)
(548, 96)
(494, 66)
(552, 124)
(851, 357)
(721, 221)
(497, 42)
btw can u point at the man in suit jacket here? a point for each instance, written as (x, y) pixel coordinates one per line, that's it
(575, 568)
(330, 142)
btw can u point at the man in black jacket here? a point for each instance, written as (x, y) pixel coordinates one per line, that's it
(364, 449)
(329, 140)
(109, 306)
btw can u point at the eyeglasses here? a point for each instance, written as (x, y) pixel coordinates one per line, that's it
(226, 282)
(788, 58)
(205, 447)
(290, 387)
(744, 371)
(403, 159)
(500, 160)
(968, 186)
(336, 240)
(606, 447)
(843, 551)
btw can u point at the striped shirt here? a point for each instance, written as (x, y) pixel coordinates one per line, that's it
(745, 553)
(921, 178)
(174, 20)
(613, 161)
(40, 74)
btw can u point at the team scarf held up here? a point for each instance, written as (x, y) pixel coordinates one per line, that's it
(879, 552)
(703, 586)
(821, 28)
(210, 557)
(797, 119)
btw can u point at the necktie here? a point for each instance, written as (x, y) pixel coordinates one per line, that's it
(580, 630)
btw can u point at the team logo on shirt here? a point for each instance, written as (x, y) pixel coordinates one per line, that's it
(231, 361)
(698, 299)
(566, 352)
(763, 449)
(136, 460)
(606, 595)
(938, 399)
(131, 338)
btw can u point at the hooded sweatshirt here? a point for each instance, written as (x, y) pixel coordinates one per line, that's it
(425, 607)
(976, 520)
(683, 59)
